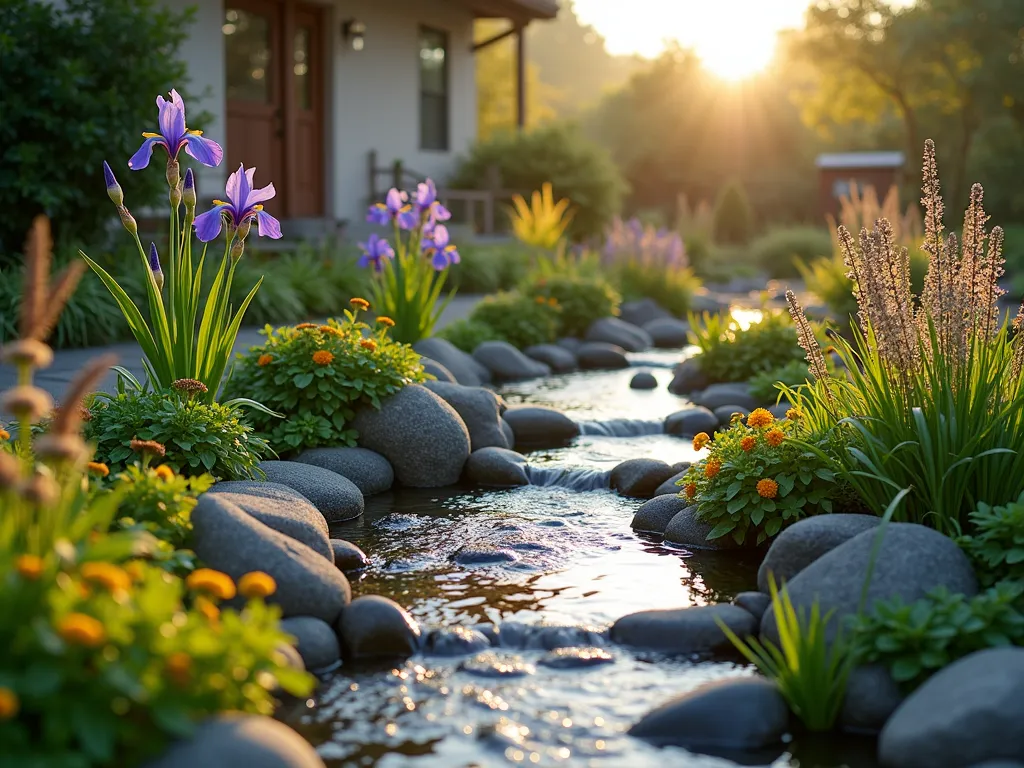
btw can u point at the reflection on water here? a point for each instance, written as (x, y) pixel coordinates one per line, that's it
(534, 555)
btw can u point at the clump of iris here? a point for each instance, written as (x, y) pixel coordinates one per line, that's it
(420, 215)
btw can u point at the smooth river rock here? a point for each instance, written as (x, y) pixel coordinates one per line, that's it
(371, 472)
(557, 358)
(376, 627)
(612, 330)
(422, 436)
(690, 421)
(601, 356)
(653, 516)
(461, 365)
(535, 426)
(506, 363)
(497, 468)
(684, 631)
(668, 332)
(642, 311)
(480, 410)
(316, 642)
(438, 371)
(639, 478)
(347, 556)
(643, 380)
(687, 377)
(335, 496)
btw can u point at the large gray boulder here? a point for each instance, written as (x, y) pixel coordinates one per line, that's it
(496, 468)
(335, 496)
(422, 437)
(535, 426)
(654, 515)
(668, 332)
(731, 715)
(871, 698)
(805, 541)
(716, 395)
(461, 365)
(967, 713)
(670, 485)
(227, 539)
(315, 641)
(506, 363)
(370, 471)
(912, 560)
(642, 311)
(612, 330)
(690, 421)
(600, 356)
(558, 359)
(376, 627)
(480, 410)
(684, 631)
(438, 371)
(253, 741)
(570, 343)
(278, 508)
(687, 377)
(685, 530)
(639, 478)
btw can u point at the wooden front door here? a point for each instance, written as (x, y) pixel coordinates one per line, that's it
(274, 76)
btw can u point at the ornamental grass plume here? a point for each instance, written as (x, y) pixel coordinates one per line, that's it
(809, 344)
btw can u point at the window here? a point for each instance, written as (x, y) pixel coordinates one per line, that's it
(433, 89)
(247, 56)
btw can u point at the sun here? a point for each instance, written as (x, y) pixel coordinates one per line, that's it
(737, 57)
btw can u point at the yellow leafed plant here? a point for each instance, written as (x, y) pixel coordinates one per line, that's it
(542, 222)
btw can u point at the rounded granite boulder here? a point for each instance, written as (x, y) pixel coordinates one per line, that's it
(506, 363)
(612, 330)
(496, 468)
(376, 627)
(540, 427)
(335, 496)
(316, 641)
(480, 410)
(371, 472)
(600, 355)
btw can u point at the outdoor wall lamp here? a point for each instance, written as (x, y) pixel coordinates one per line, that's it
(354, 33)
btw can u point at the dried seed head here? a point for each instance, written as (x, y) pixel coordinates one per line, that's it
(10, 471)
(190, 387)
(61, 448)
(808, 342)
(27, 352)
(26, 402)
(39, 489)
(38, 255)
(67, 282)
(147, 447)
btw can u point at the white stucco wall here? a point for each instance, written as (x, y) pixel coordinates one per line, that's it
(373, 94)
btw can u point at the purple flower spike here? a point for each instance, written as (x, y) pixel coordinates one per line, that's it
(113, 188)
(377, 252)
(175, 136)
(154, 266)
(243, 206)
(438, 249)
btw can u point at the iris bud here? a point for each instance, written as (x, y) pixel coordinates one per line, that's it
(127, 219)
(113, 188)
(189, 195)
(154, 266)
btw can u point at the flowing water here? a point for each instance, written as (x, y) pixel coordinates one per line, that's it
(558, 552)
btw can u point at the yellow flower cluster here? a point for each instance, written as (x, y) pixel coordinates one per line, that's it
(386, 321)
(98, 468)
(29, 566)
(80, 629)
(759, 417)
(4, 434)
(212, 582)
(264, 360)
(712, 467)
(775, 437)
(369, 344)
(358, 303)
(257, 584)
(107, 575)
(164, 472)
(700, 440)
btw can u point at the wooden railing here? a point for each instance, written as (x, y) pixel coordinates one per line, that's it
(476, 207)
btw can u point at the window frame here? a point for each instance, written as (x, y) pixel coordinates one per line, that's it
(444, 98)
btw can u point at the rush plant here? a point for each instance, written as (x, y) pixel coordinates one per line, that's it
(177, 341)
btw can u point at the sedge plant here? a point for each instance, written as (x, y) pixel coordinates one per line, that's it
(187, 335)
(409, 277)
(542, 222)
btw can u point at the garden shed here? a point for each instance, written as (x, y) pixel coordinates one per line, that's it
(837, 172)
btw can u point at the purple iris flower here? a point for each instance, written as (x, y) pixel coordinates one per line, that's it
(244, 206)
(426, 201)
(438, 249)
(376, 251)
(174, 136)
(394, 208)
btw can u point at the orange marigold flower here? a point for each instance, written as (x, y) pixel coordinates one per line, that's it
(775, 437)
(213, 582)
(164, 472)
(759, 417)
(691, 490)
(264, 360)
(257, 584)
(369, 344)
(553, 302)
(700, 440)
(210, 611)
(767, 488)
(29, 566)
(323, 357)
(9, 703)
(179, 667)
(748, 443)
(107, 575)
(79, 629)
(4, 434)
(305, 326)
(712, 468)
(793, 414)
(331, 330)
(358, 303)
(541, 300)
(98, 468)
(384, 320)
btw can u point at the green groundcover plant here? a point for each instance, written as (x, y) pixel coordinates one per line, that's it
(581, 298)
(519, 319)
(196, 437)
(758, 478)
(467, 334)
(316, 376)
(996, 542)
(731, 353)
(764, 386)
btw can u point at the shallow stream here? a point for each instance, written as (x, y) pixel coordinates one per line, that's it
(536, 555)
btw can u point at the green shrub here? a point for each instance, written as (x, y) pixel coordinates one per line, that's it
(581, 299)
(467, 334)
(672, 290)
(914, 641)
(197, 437)
(733, 222)
(489, 268)
(730, 353)
(577, 168)
(792, 374)
(698, 250)
(52, 164)
(996, 542)
(317, 376)
(780, 251)
(159, 502)
(757, 478)
(519, 319)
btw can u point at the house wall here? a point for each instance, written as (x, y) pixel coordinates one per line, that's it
(373, 94)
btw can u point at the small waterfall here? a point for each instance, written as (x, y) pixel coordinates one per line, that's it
(622, 428)
(639, 362)
(572, 478)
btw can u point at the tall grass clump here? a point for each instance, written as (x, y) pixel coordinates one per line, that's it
(935, 392)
